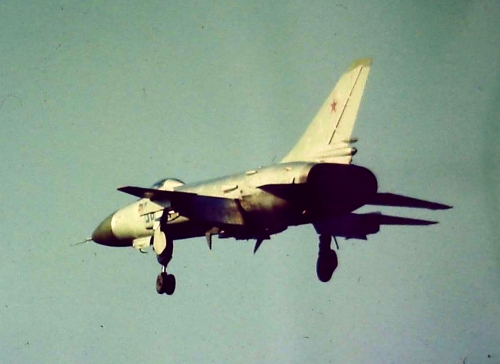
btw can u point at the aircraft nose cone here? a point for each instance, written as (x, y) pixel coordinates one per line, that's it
(103, 234)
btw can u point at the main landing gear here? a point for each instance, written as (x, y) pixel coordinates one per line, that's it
(164, 248)
(327, 259)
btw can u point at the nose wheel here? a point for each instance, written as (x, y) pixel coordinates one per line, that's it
(165, 283)
(327, 259)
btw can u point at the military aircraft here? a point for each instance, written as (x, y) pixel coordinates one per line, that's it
(315, 183)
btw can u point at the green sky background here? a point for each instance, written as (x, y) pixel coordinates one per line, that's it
(95, 95)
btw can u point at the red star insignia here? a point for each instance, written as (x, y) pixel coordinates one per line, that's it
(333, 105)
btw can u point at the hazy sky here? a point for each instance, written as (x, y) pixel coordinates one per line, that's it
(95, 95)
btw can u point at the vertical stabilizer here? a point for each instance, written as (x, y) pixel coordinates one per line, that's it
(328, 137)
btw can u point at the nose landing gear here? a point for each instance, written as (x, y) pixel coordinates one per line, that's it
(164, 248)
(327, 259)
(165, 283)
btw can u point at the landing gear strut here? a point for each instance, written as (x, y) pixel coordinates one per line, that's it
(327, 259)
(164, 248)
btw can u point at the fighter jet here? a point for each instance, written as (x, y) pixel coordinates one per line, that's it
(315, 183)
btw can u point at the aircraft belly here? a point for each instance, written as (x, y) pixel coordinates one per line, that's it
(263, 210)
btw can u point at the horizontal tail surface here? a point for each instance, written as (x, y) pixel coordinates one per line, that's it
(359, 226)
(392, 199)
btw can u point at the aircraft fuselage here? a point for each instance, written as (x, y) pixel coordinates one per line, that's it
(267, 201)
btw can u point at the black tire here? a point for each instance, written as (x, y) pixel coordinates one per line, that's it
(160, 283)
(326, 265)
(169, 286)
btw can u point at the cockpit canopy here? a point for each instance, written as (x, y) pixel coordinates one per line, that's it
(167, 184)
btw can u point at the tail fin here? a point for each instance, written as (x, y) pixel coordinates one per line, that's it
(328, 137)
